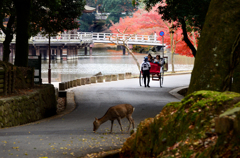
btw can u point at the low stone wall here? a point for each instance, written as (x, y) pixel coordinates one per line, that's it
(36, 105)
(94, 79)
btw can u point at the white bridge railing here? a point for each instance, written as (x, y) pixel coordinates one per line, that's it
(87, 37)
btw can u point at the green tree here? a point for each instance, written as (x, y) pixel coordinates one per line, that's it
(61, 17)
(32, 17)
(217, 59)
(7, 13)
(85, 21)
(185, 12)
(114, 17)
(116, 8)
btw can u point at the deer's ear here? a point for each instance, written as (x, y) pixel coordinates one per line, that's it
(96, 119)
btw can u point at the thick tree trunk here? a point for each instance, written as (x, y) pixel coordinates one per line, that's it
(23, 16)
(213, 61)
(236, 79)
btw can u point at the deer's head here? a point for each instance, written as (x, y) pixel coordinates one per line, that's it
(96, 125)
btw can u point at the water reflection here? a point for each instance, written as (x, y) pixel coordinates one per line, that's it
(107, 61)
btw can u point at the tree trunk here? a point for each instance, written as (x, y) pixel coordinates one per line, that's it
(236, 79)
(172, 50)
(49, 56)
(6, 47)
(8, 38)
(22, 35)
(186, 39)
(172, 56)
(213, 61)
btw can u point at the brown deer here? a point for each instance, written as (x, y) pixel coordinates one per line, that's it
(116, 112)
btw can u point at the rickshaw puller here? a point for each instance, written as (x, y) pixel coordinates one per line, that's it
(145, 68)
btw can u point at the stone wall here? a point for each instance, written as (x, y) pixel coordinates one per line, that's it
(22, 109)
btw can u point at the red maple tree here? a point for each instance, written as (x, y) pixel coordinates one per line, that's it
(148, 23)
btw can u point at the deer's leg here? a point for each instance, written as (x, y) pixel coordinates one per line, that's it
(111, 125)
(119, 121)
(130, 121)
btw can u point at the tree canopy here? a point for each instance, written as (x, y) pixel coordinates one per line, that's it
(32, 16)
(115, 8)
(187, 13)
(144, 22)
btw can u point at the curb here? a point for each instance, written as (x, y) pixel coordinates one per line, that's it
(175, 93)
(177, 73)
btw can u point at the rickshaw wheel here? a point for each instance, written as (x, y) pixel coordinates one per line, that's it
(161, 79)
(140, 79)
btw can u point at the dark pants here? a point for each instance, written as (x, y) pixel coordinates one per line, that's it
(146, 73)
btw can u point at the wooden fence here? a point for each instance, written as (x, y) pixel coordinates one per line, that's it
(7, 79)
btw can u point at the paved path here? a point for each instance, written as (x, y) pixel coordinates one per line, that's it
(72, 136)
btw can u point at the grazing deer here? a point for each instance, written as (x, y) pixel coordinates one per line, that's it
(116, 112)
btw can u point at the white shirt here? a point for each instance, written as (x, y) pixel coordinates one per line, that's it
(145, 65)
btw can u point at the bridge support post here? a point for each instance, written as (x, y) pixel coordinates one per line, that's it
(58, 53)
(37, 50)
(90, 51)
(85, 51)
(52, 54)
(45, 54)
(75, 52)
(68, 53)
(124, 50)
(1, 51)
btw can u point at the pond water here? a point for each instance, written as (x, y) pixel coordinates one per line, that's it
(106, 61)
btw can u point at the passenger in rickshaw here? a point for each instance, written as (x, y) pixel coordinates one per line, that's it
(160, 62)
(145, 68)
(157, 60)
(150, 58)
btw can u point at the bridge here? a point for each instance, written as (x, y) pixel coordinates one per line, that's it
(66, 45)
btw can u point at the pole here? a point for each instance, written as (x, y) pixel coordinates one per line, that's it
(163, 47)
(49, 65)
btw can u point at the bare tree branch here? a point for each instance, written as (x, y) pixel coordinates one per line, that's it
(125, 44)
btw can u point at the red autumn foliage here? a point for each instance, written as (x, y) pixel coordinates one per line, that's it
(148, 23)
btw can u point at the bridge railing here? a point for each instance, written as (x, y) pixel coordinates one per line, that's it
(60, 37)
(134, 38)
(90, 36)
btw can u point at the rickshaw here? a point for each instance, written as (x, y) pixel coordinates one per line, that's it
(156, 72)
